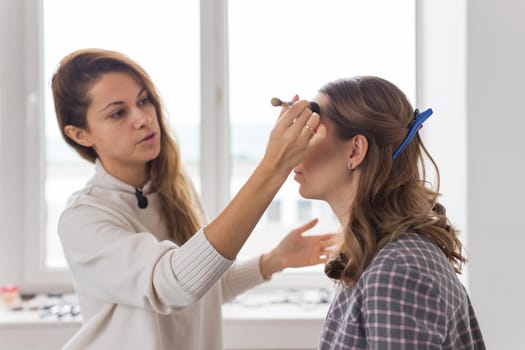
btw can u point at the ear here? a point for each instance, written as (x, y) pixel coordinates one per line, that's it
(79, 135)
(358, 151)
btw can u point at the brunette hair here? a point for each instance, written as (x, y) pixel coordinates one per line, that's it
(71, 85)
(392, 196)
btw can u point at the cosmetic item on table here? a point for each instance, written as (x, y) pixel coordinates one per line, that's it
(10, 295)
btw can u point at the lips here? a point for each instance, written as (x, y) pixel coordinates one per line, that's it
(298, 170)
(147, 137)
(298, 175)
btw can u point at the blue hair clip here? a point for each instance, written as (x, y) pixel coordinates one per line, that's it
(420, 119)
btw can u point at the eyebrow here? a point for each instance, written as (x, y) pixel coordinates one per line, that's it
(121, 102)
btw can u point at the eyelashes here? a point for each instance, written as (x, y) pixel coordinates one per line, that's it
(144, 101)
(118, 114)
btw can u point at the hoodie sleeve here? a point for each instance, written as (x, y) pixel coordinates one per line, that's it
(111, 262)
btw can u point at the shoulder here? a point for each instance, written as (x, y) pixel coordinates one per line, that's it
(409, 245)
(411, 268)
(89, 200)
(86, 212)
(400, 263)
(412, 251)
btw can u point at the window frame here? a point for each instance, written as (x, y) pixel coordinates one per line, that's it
(27, 219)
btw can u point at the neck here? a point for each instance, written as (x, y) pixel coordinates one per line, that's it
(342, 210)
(342, 202)
(133, 175)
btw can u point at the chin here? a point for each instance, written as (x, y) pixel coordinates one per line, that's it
(154, 155)
(308, 194)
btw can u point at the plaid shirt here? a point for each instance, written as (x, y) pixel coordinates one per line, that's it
(409, 297)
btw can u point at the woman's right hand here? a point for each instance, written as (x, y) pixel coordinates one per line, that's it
(296, 132)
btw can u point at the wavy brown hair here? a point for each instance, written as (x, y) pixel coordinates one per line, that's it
(71, 85)
(393, 196)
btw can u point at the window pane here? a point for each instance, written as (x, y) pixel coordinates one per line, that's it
(167, 49)
(304, 210)
(285, 47)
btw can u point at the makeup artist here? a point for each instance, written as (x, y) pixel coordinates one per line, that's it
(149, 272)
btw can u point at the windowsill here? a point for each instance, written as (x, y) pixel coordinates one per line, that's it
(248, 324)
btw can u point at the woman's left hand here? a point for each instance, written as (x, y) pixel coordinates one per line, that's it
(297, 250)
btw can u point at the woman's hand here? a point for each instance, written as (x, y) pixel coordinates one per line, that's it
(295, 133)
(291, 139)
(297, 250)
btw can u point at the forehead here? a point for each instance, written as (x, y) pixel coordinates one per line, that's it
(323, 101)
(114, 86)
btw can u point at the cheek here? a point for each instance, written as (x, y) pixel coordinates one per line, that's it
(312, 161)
(324, 158)
(324, 170)
(156, 123)
(105, 141)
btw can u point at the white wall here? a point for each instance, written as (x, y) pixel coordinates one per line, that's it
(496, 130)
(471, 71)
(441, 81)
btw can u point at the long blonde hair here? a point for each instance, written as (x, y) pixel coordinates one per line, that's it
(71, 84)
(392, 196)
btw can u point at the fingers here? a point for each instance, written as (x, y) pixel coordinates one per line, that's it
(307, 117)
(326, 243)
(327, 250)
(285, 106)
(295, 117)
(327, 236)
(317, 137)
(323, 259)
(306, 227)
(293, 136)
(309, 128)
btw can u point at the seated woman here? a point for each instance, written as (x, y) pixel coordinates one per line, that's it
(397, 254)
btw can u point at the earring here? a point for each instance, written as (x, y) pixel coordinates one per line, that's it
(350, 167)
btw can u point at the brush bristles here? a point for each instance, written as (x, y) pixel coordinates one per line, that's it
(276, 102)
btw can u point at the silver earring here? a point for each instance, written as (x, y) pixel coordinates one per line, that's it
(350, 167)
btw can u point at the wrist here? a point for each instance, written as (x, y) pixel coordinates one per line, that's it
(274, 169)
(269, 263)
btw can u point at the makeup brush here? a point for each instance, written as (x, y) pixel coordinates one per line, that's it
(277, 102)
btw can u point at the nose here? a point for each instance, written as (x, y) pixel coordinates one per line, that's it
(142, 119)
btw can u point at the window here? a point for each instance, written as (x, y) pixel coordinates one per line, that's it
(281, 48)
(154, 47)
(273, 213)
(242, 53)
(304, 210)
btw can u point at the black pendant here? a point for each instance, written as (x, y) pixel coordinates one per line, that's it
(142, 201)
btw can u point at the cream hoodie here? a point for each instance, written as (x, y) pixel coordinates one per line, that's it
(136, 289)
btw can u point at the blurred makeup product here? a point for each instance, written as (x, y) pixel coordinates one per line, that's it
(277, 102)
(10, 294)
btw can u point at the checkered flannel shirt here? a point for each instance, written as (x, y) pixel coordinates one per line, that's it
(409, 297)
